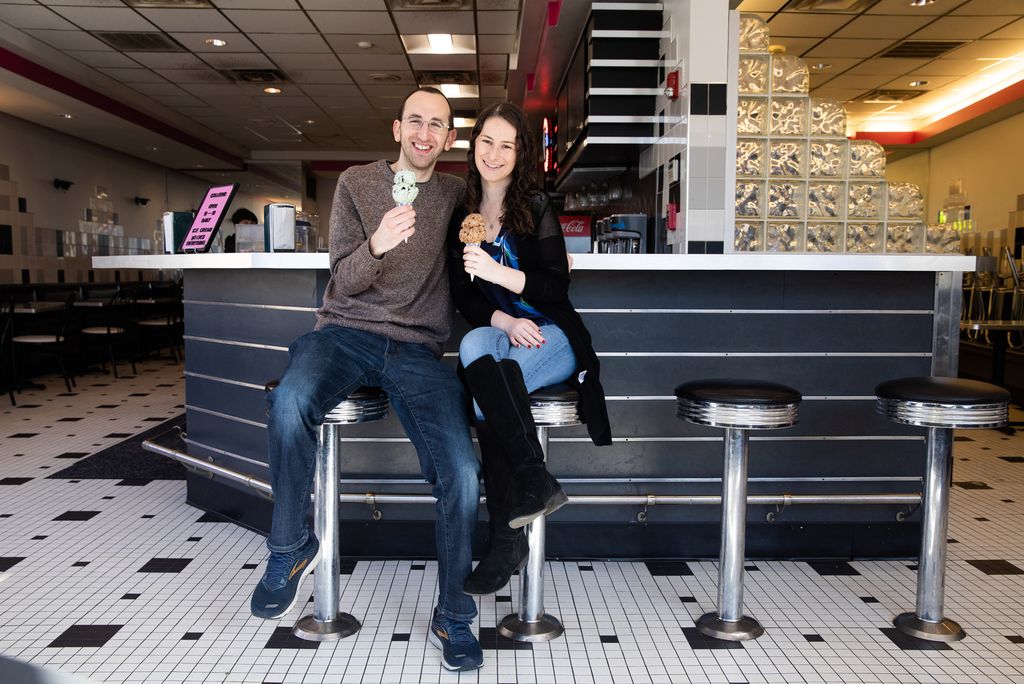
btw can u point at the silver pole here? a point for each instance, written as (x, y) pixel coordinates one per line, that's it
(734, 516)
(931, 569)
(325, 523)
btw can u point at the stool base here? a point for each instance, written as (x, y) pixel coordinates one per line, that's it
(744, 629)
(311, 629)
(545, 629)
(944, 630)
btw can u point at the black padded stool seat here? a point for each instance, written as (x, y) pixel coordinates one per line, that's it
(555, 406)
(943, 402)
(744, 404)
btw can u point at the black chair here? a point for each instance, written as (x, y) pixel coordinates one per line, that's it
(6, 325)
(116, 328)
(161, 323)
(45, 342)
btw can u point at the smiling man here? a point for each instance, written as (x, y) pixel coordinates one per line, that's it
(384, 319)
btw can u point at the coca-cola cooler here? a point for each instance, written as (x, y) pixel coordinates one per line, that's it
(577, 232)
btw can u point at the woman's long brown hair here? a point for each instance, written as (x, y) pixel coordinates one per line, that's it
(515, 210)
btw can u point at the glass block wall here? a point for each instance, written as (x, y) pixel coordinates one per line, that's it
(801, 184)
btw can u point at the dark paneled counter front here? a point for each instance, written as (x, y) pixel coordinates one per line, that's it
(831, 326)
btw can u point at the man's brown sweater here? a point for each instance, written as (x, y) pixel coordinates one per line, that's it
(403, 295)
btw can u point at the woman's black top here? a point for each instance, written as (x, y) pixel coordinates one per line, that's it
(542, 259)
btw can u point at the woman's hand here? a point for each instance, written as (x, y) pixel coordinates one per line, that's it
(479, 263)
(520, 331)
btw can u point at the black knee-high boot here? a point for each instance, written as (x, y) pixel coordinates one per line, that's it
(499, 388)
(507, 549)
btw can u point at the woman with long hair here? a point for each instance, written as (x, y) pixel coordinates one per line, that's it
(512, 288)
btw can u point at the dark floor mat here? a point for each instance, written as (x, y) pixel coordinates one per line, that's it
(128, 461)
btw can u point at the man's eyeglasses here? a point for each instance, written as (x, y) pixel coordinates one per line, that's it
(434, 126)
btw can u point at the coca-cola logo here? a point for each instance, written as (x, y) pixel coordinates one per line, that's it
(575, 226)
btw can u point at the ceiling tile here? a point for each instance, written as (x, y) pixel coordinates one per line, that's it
(494, 62)
(357, 5)
(105, 18)
(270, 21)
(837, 65)
(977, 7)
(805, 24)
(89, 3)
(903, 7)
(188, 19)
(319, 62)
(238, 60)
(137, 75)
(987, 49)
(933, 82)
(167, 60)
(213, 91)
(196, 42)
(352, 22)
(848, 47)
(371, 78)
(182, 100)
(330, 90)
(857, 81)
(962, 28)
(492, 44)
(375, 62)
(33, 17)
(376, 91)
(794, 45)
(1014, 30)
(497, 22)
(841, 94)
(948, 67)
(493, 91)
(434, 22)
(345, 106)
(443, 62)
(887, 66)
(761, 5)
(293, 43)
(319, 76)
(871, 26)
(347, 43)
(69, 40)
(191, 76)
(161, 88)
(96, 58)
(257, 4)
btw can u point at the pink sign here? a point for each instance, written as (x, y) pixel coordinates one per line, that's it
(208, 218)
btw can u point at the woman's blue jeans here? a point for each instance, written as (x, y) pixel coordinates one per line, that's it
(324, 366)
(548, 364)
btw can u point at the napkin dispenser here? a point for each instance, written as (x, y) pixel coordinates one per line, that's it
(279, 227)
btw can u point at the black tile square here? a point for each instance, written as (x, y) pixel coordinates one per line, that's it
(40, 536)
(76, 515)
(952, 541)
(347, 566)
(117, 435)
(961, 438)
(668, 568)
(23, 435)
(909, 643)
(139, 394)
(130, 597)
(133, 482)
(417, 566)
(194, 539)
(400, 636)
(29, 406)
(825, 568)
(68, 420)
(8, 562)
(751, 568)
(191, 636)
(869, 599)
(6, 515)
(586, 568)
(996, 567)
(73, 454)
(503, 599)
(699, 98)
(971, 484)
(699, 642)
(814, 638)
(1007, 500)
(108, 406)
(14, 480)
(688, 599)
(85, 636)
(491, 640)
(609, 639)
(147, 516)
(250, 566)
(982, 519)
(1015, 639)
(6, 239)
(1013, 459)
(107, 498)
(212, 518)
(717, 99)
(714, 247)
(283, 638)
(165, 565)
(79, 564)
(912, 566)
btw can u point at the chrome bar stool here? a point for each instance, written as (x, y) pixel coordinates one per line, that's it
(552, 406)
(939, 404)
(737, 406)
(327, 623)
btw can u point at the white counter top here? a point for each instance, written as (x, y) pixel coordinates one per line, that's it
(585, 262)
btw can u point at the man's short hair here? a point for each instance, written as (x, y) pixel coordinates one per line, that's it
(426, 89)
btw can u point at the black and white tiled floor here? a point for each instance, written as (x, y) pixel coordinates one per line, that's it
(121, 581)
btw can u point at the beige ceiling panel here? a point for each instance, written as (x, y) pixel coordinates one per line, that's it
(841, 94)
(352, 22)
(192, 76)
(876, 26)
(494, 62)
(355, 5)
(375, 62)
(796, 46)
(443, 62)
(96, 58)
(492, 44)
(1013, 31)
(348, 43)
(105, 18)
(933, 82)
(866, 107)
(987, 49)
(183, 100)
(492, 91)
(375, 92)
(962, 28)
(198, 20)
(196, 42)
(820, 79)
(385, 77)
(214, 91)
(167, 60)
(949, 67)
(257, 4)
(239, 60)
(133, 75)
(291, 43)
(316, 90)
(497, 22)
(833, 65)
(852, 81)
(319, 76)
(887, 66)
(980, 7)
(344, 106)
(270, 21)
(69, 40)
(848, 47)
(434, 22)
(493, 78)
(903, 7)
(33, 17)
(761, 5)
(317, 62)
(807, 25)
(88, 3)
(163, 88)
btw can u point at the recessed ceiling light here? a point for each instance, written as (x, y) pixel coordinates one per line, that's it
(821, 66)
(918, 83)
(309, 121)
(199, 166)
(451, 89)
(364, 45)
(215, 42)
(921, 3)
(65, 115)
(463, 122)
(152, 148)
(440, 42)
(461, 144)
(272, 91)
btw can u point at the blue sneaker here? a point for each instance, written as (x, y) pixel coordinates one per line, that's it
(276, 593)
(460, 651)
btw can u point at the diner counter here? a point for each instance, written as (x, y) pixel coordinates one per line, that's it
(831, 326)
(742, 261)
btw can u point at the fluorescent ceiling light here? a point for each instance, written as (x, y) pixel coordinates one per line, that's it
(461, 144)
(440, 42)
(463, 122)
(451, 89)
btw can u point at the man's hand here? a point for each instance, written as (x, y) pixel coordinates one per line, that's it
(396, 226)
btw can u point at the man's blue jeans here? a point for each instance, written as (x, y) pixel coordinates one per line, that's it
(323, 368)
